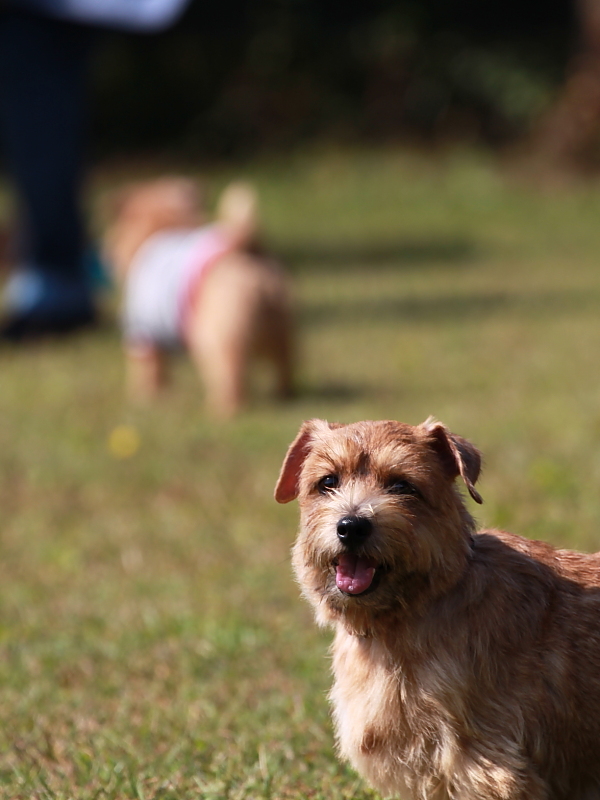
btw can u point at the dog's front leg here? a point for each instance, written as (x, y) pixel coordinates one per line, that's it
(497, 782)
(146, 371)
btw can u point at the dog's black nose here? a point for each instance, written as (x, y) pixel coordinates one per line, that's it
(353, 529)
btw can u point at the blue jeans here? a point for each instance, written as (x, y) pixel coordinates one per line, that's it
(43, 71)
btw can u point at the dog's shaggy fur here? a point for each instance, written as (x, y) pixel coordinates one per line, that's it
(242, 311)
(466, 664)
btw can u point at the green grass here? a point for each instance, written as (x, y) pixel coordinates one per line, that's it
(152, 641)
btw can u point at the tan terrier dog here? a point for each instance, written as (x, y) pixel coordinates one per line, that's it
(208, 287)
(466, 664)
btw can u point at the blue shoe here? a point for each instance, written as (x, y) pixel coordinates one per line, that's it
(40, 304)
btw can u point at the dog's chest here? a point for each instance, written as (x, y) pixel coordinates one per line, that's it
(368, 712)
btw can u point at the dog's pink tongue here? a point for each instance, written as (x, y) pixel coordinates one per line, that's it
(353, 574)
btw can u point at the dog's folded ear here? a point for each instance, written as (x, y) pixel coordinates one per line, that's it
(286, 488)
(459, 456)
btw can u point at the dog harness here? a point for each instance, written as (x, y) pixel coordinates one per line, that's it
(164, 274)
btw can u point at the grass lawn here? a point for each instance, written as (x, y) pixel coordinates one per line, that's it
(152, 641)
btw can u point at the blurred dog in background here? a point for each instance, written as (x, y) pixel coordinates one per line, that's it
(208, 286)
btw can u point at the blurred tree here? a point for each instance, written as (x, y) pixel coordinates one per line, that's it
(245, 75)
(571, 126)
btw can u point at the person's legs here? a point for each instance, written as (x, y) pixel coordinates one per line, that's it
(43, 71)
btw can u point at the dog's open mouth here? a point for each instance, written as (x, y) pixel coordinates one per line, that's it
(354, 574)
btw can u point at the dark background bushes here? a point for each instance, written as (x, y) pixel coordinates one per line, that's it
(240, 76)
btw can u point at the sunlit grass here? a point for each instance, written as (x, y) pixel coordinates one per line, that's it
(152, 641)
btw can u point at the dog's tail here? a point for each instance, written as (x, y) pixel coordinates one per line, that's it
(237, 210)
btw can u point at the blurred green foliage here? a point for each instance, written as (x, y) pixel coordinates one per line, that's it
(243, 76)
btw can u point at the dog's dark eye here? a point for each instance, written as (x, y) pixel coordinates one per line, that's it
(399, 486)
(328, 483)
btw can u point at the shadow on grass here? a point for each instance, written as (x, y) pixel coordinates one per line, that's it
(401, 253)
(444, 308)
(330, 391)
